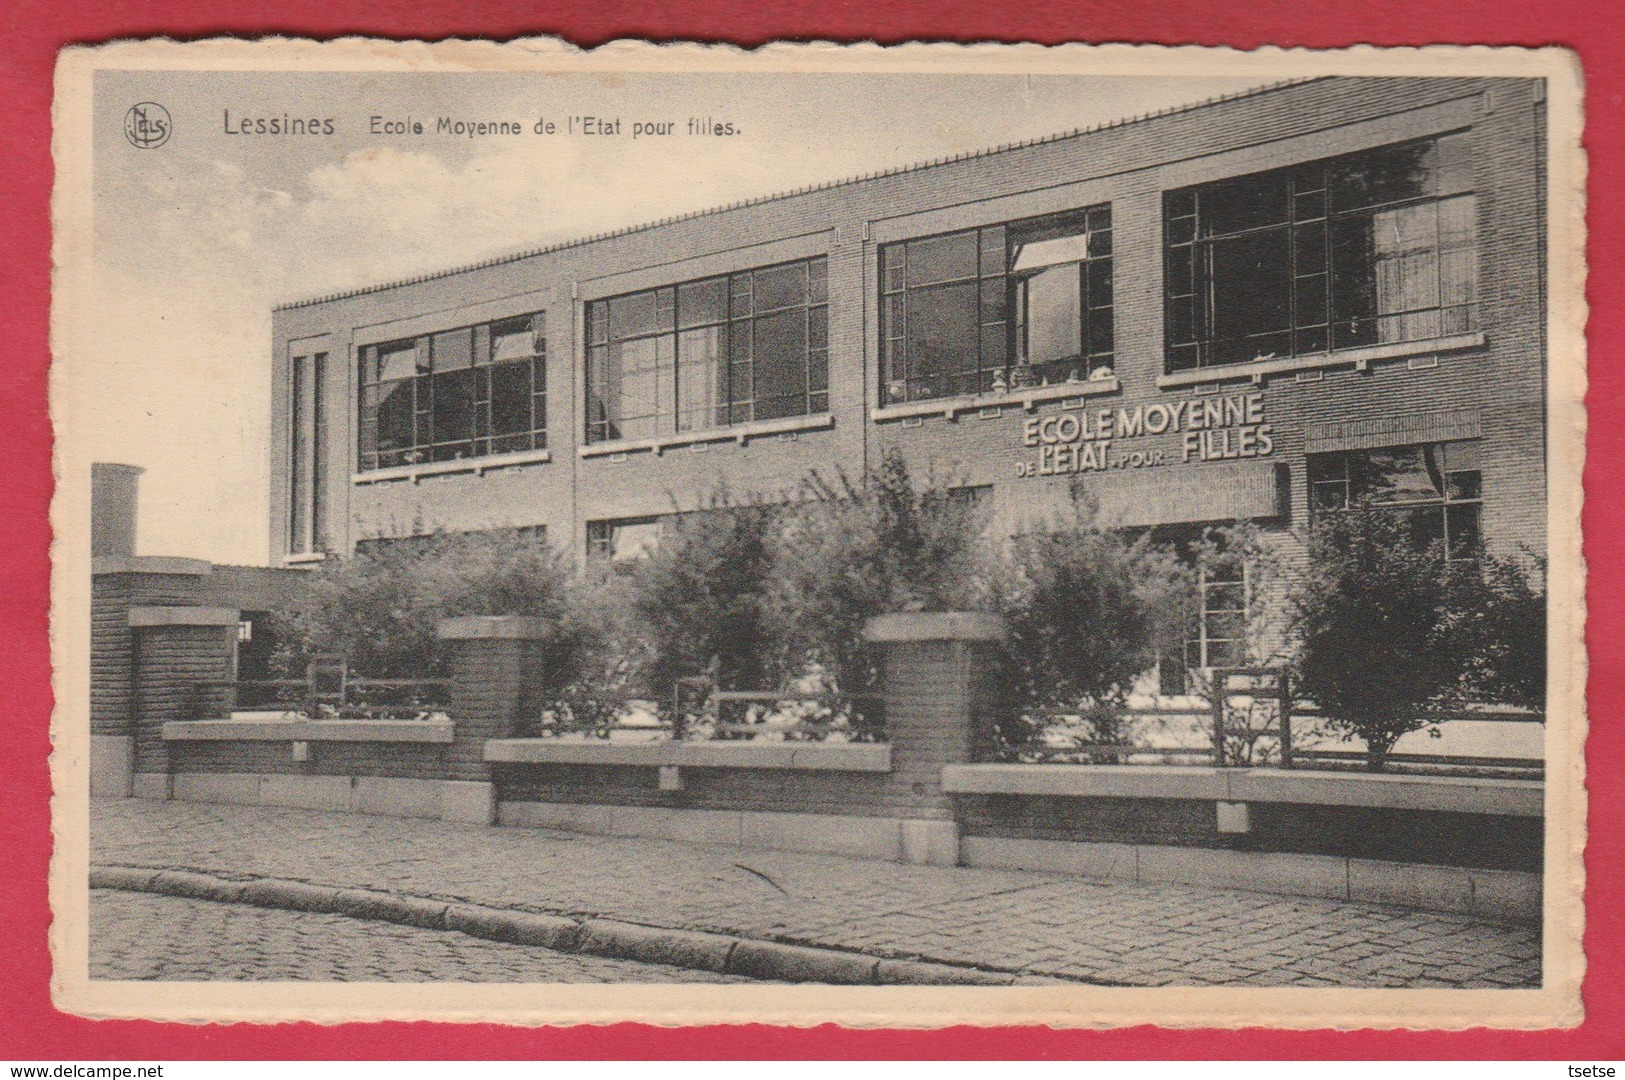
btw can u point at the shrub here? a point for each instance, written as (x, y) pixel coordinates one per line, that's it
(849, 552)
(1507, 622)
(701, 597)
(1088, 610)
(1381, 644)
(380, 607)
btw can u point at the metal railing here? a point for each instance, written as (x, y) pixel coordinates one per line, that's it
(700, 713)
(329, 691)
(1257, 724)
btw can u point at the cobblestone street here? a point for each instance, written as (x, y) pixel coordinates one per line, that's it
(140, 936)
(1035, 924)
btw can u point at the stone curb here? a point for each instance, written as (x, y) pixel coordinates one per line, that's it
(719, 953)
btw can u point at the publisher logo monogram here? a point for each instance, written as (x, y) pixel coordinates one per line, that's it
(147, 125)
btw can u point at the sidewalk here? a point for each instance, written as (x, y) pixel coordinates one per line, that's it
(1024, 924)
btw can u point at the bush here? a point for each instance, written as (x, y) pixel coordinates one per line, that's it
(1088, 610)
(847, 553)
(702, 599)
(380, 607)
(1508, 624)
(1380, 626)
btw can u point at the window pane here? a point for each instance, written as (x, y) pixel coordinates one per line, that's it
(454, 407)
(1354, 287)
(1248, 202)
(397, 361)
(993, 260)
(781, 365)
(818, 281)
(942, 336)
(698, 354)
(1325, 467)
(1252, 295)
(512, 340)
(1053, 252)
(942, 258)
(395, 415)
(1398, 474)
(453, 351)
(702, 302)
(632, 316)
(1427, 525)
(1053, 317)
(633, 395)
(1465, 536)
(781, 287)
(510, 398)
(1391, 174)
(633, 540)
(1461, 455)
(1453, 164)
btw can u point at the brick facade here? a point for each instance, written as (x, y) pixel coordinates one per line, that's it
(1128, 166)
(1441, 838)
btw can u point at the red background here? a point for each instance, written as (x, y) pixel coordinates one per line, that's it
(31, 31)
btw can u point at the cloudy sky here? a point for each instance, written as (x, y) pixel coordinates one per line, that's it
(196, 240)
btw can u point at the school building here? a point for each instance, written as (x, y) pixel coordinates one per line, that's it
(1254, 308)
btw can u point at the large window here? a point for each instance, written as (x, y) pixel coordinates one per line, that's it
(462, 393)
(1438, 487)
(977, 311)
(1365, 249)
(307, 421)
(707, 354)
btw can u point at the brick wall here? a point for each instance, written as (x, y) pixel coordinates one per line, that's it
(417, 761)
(111, 640)
(767, 790)
(169, 662)
(1127, 165)
(1433, 837)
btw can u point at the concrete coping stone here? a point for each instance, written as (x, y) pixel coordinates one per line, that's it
(184, 616)
(387, 731)
(1463, 795)
(149, 564)
(907, 626)
(833, 757)
(498, 627)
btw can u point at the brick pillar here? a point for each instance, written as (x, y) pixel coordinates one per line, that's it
(494, 660)
(118, 584)
(174, 648)
(937, 670)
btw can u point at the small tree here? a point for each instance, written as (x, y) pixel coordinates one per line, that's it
(381, 606)
(1507, 623)
(701, 597)
(849, 552)
(1378, 620)
(1088, 610)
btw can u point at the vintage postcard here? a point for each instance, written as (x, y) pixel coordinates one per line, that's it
(910, 536)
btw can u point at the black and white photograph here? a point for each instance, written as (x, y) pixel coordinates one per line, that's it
(914, 536)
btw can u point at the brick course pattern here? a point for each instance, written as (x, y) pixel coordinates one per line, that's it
(1434, 838)
(171, 661)
(112, 640)
(1128, 165)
